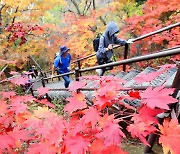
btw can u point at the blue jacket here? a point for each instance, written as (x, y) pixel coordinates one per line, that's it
(62, 64)
(109, 37)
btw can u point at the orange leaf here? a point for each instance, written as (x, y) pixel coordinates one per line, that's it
(170, 136)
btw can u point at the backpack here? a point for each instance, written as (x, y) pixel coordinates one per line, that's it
(96, 42)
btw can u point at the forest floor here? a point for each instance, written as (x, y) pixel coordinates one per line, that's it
(136, 147)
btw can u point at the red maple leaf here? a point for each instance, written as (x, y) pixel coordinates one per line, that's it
(33, 122)
(18, 99)
(87, 121)
(113, 149)
(89, 118)
(20, 34)
(46, 102)
(43, 90)
(43, 130)
(56, 135)
(93, 77)
(76, 102)
(18, 107)
(6, 141)
(147, 114)
(3, 108)
(42, 147)
(111, 134)
(19, 135)
(76, 144)
(170, 136)
(102, 102)
(168, 66)
(76, 85)
(141, 130)
(7, 120)
(7, 94)
(134, 94)
(97, 146)
(143, 77)
(106, 94)
(20, 80)
(158, 97)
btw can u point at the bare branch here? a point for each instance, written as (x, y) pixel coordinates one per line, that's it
(88, 7)
(94, 5)
(102, 20)
(76, 6)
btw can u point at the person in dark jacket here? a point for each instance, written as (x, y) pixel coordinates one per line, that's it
(107, 40)
(62, 64)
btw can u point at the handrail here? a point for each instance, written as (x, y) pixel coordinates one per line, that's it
(152, 33)
(136, 39)
(60, 75)
(163, 53)
(86, 57)
(167, 52)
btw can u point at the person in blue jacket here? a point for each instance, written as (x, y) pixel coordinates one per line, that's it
(107, 40)
(62, 64)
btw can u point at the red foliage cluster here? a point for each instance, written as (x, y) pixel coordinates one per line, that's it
(91, 129)
(19, 30)
(156, 15)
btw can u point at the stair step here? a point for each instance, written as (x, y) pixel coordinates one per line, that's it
(120, 74)
(163, 77)
(129, 76)
(135, 103)
(132, 82)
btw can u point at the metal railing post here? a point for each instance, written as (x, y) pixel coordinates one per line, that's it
(79, 64)
(77, 74)
(32, 92)
(43, 84)
(126, 48)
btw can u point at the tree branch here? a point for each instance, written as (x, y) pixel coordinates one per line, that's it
(87, 7)
(1, 18)
(102, 20)
(76, 6)
(94, 5)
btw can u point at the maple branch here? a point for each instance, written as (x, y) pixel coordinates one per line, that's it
(76, 6)
(13, 22)
(15, 16)
(94, 5)
(102, 20)
(86, 8)
(1, 18)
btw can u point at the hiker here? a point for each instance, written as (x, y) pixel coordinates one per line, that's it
(62, 63)
(31, 72)
(34, 69)
(107, 40)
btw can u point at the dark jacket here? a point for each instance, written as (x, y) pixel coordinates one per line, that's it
(109, 37)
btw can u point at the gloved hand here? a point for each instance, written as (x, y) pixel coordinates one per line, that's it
(130, 41)
(69, 68)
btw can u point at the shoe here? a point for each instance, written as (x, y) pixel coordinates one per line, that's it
(99, 71)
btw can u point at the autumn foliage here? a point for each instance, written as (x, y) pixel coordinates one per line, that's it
(156, 15)
(31, 125)
(96, 128)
